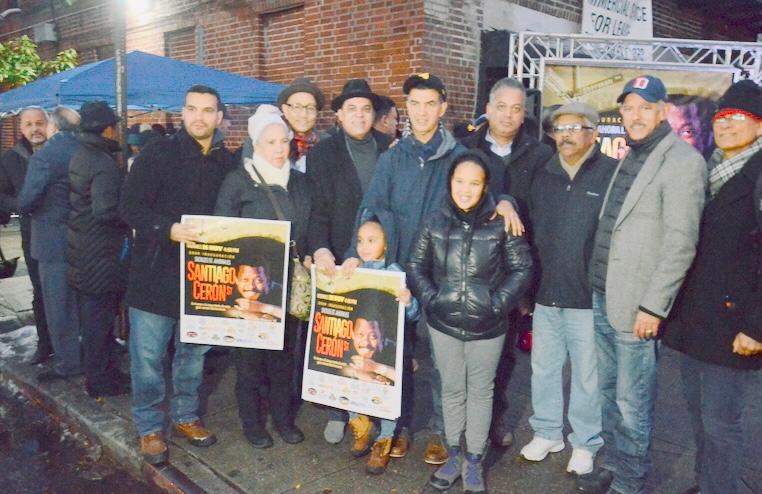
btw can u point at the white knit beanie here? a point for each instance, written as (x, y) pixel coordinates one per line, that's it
(264, 116)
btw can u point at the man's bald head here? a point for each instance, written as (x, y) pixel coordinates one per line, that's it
(32, 123)
(61, 119)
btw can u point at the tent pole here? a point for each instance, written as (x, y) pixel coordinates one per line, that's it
(120, 48)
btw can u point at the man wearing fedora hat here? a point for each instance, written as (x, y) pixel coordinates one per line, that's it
(300, 103)
(94, 245)
(341, 167)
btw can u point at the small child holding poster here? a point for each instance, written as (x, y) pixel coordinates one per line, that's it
(371, 248)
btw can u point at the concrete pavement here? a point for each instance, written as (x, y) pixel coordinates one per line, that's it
(233, 466)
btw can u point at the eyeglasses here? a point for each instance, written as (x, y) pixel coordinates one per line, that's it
(309, 109)
(575, 128)
(733, 117)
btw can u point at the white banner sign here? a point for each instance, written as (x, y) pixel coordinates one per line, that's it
(619, 19)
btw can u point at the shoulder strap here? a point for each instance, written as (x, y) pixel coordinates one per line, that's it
(276, 205)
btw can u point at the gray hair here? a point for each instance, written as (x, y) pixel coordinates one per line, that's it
(33, 107)
(64, 118)
(507, 83)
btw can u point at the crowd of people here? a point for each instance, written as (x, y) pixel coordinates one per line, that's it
(495, 231)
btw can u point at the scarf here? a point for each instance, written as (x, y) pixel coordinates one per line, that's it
(720, 171)
(301, 143)
(271, 174)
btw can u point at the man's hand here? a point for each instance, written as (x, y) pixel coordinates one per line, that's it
(184, 233)
(513, 222)
(746, 346)
(325, 262)
(646, 326)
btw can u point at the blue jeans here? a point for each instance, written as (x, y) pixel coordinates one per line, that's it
(556, 333)
(149, 337)
(62, 316)
(715, 398)
(387, 426)
(627, 377)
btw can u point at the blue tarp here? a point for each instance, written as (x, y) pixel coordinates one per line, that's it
(153, 83)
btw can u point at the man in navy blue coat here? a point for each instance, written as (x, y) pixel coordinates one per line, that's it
(45, 195)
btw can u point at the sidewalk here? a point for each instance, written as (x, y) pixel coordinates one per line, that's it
(233, 466)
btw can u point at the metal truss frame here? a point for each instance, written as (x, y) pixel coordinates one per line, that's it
(528, 49)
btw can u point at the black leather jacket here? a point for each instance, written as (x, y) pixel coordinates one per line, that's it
(468, 273)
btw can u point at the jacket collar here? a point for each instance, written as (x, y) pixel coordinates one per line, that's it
(190, 146)
(554, 164)
(97, 141)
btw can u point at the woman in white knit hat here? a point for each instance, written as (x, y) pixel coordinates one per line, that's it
(267, 374)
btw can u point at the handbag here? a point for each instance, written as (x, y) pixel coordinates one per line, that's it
(300, 299)
(7, 266)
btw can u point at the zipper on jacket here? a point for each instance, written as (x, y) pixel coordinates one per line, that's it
(467, 238)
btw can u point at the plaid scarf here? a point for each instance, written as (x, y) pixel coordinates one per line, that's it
(301, 143)
(721, 171)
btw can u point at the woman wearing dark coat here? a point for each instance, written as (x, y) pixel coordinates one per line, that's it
(267, 374)
(95, 246)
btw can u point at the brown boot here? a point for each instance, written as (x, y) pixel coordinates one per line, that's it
(379, 456)
(153, 449)
(401, 444)
(196, 433)
(436, 453)
(362, 429)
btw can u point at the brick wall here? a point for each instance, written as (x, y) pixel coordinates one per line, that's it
(329, 41)
(451, 45)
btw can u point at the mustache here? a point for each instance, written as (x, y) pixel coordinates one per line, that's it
(567, 141)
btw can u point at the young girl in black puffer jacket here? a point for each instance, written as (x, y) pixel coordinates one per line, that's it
(468, 273)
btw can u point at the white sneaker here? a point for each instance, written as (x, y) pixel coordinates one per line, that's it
(581, 462)
(538, 448)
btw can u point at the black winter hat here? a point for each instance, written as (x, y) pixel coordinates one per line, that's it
(425, 80)
(96, 116)
(744, 95)
(355, 88)
(302, 85)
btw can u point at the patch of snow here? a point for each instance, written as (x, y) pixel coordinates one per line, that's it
(20, 343)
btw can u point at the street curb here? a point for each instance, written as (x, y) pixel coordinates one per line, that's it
(113, 433)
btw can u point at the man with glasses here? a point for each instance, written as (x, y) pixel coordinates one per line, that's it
(644, 244)
(515, 155)
(717, 322)
(300, 103)
(564, 202)
(341, 167)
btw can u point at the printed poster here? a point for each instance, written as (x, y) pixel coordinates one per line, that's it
(353, 358)
(692, 93)
(233, 288)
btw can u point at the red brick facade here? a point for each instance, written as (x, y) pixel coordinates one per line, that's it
(329, 41)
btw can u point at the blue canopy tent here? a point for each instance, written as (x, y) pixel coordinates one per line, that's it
(153, 83)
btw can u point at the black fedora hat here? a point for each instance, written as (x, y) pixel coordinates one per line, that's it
(354, 88)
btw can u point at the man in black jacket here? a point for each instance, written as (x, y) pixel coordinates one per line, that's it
(717, 319)
(565, 199)
(515, 155)
(33, 123)
(94, 245)
(171, 177)
(340, 167)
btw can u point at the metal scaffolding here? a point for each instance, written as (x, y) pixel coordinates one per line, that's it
(528, 49)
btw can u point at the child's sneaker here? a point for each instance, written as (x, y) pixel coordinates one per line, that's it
(447, 474)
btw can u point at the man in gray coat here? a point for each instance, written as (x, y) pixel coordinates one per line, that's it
(644, 244)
